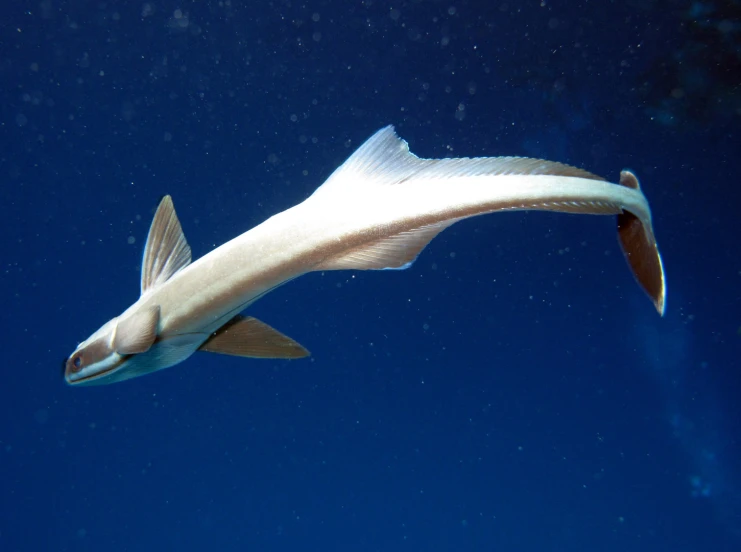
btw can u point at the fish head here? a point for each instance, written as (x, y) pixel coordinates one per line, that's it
(110, 353)
(94, 357)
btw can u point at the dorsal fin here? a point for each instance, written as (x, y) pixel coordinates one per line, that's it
(167, 251)
(385, 159)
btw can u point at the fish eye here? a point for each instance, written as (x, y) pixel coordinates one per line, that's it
(77, 362)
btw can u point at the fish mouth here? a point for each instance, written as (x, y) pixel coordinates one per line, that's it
(75, 375)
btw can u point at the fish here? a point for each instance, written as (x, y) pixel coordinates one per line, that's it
(378, 210)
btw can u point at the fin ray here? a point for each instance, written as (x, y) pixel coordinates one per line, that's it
(137, 333)
(385, 159)
(166, 251)
(396, 252)
(641, 252)
(246, 336)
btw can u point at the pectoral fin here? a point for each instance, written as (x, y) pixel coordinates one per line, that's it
(245, 336)
(136, 333)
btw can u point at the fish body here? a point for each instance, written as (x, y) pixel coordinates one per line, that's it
(378, 210)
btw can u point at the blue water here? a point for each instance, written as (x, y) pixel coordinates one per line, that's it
(512, 390)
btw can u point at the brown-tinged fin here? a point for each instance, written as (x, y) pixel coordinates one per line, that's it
(246, 336)
(137, 333)
(639, 246)
(167, 251)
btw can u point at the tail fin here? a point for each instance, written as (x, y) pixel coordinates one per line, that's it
(639, 246)
(447, 190)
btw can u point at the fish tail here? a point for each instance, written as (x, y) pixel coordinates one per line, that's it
(638, 243)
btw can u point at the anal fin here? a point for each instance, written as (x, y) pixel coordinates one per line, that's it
(246, 336)
(395, 252)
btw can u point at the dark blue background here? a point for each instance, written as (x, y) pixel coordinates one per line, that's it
(514, 390)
